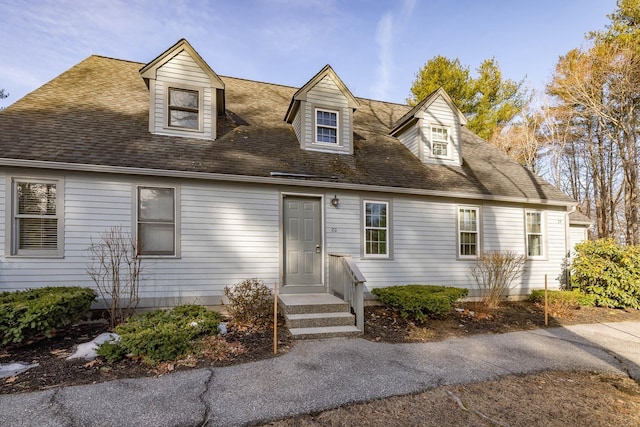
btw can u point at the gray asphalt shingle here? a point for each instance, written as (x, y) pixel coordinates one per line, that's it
(96, 113)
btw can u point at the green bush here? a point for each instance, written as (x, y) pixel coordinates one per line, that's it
(250, 302)
(36, 312)
(420, 301)
(608, 271)
(574, 298)
(161, 335)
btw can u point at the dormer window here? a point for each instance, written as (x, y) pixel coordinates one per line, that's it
(439, 141)
(326, 126)
(183, 108)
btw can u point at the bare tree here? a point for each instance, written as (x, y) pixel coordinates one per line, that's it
(116, 269)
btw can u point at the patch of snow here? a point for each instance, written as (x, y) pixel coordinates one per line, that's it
(87, 351)
(222, 328)
(13, 369)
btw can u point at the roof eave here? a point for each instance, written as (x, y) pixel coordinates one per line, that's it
(209, 176)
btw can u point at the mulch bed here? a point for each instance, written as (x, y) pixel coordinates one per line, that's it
(242, 345)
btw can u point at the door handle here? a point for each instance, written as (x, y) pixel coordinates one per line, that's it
(317, 249)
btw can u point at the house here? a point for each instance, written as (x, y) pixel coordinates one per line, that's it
(221, 179)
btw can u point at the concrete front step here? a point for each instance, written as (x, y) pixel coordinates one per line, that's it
(312, 303)
(312, 320)
(325, 332)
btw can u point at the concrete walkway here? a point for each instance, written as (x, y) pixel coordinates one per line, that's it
(318, 375)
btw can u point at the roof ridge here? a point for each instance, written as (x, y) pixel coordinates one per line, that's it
(113, 59)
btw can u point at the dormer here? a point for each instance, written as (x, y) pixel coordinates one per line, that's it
(321, 113)
(431, 130)
(185, 94)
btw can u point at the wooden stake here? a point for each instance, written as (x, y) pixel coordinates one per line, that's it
(546, 303)
(275, 318)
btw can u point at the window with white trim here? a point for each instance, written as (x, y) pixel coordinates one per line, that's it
(36, 219)
(376, 229)
(326, 126)
(534, 231)
(156, 217)
(183, 108)
(468, 231)
(439, 141)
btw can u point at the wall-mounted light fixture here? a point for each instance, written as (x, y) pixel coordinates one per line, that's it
(335, 201)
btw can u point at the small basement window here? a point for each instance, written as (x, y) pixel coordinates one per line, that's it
(184, 108)
(326, 126)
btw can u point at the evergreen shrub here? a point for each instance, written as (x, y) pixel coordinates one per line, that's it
(161, 335)
(608, 271)
(36, 312)
(420, 301)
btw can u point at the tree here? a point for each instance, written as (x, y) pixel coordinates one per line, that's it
(489, 102)
(597, 92)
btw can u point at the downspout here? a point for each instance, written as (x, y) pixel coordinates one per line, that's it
(567, 243)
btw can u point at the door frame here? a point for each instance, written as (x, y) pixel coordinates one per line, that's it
(283, 288)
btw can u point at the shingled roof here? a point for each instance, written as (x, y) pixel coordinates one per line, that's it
(96, 113)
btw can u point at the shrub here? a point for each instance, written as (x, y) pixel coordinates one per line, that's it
(608, 271)
(420, 301)
(562, 303)
(160, 335)
(574, 298)
(34, 312)
(250, 302)
(115, 268)
(495, 273)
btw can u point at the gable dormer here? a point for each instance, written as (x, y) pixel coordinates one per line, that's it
(185, 94)
(431, 130)
(321, 113)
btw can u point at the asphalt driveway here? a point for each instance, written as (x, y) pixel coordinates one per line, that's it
(323, 374)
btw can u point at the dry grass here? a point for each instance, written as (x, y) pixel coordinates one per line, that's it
(546, 399)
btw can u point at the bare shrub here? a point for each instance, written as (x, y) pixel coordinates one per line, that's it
(250, 303)
(495, 273)
(116, 270)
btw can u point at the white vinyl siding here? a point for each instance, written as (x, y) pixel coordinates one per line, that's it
(468, 232)
(440, 116)
(36, 217)
(327, 96)
(577, 234)
(231, 232)
(228, 233)
(183, 72)
(409, 138)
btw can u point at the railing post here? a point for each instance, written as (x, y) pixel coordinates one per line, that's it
(359, 305)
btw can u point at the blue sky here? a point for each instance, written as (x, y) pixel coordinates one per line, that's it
(376, 47)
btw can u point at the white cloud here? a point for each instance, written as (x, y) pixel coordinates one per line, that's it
(390, 27)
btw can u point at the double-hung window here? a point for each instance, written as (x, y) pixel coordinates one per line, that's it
(468, 231)
(376, 229)
(37, 206)
(156, 217)
(439, 141)
(534, 232)
(326, 126)
(183, 108)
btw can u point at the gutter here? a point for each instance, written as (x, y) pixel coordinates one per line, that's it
(278, 178)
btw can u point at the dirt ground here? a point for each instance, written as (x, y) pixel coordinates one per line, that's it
(548, 398)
